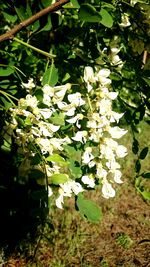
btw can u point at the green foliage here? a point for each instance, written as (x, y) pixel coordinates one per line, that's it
(50, 76)
(83, 33)
(124, 240)
(89, 209)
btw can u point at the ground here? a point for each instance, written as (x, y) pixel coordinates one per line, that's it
(121, 238)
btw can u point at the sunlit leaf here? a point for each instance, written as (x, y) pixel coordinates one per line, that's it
(75, 170)
(50, 76)
(88, 209)
(59, 178)
(57, 158)
(6, 71)
(107, 19)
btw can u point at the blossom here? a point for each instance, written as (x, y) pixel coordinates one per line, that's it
(69, 109)
(117, 176)
(107, 190)
(102, 77)
(50, 192)
(80, 136)
(88, 180)
(76, 120)
(89, 77)
(87, 155)
(116, 132)
(66, 190)
(29, 85)
(76, 100)
(125, 22)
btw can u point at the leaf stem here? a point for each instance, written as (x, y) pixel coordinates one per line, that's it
(34, 48)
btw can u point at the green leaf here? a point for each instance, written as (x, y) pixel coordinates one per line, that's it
(21, 12)
(88, 209)
(50, 76)
(59, 178)
(107, 19)
(143, 153)
(73, 153)
(48, 25)
(75, 3)
(145, 194)
(135, 146)
(137, 166)
(146, 175)
(6, 71)
(72, 4)
(75, 171)
(147, 81)
(57, 158)
(58, 119)
(8, 17)
(89, 14)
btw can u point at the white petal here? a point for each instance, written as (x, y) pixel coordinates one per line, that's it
(88, 181)
(117, 177)
(60, 201)
(116, 132)
(107, 190)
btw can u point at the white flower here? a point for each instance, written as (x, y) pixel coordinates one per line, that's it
(117, 176)
(106, 152)
(53, 128)
(125, 22)
(76, 187)
(87, 155)
(44, 145)
(115, 116)
(89, 181)
(48, 90)
(112, 165)
(76, 120)
(101, 172)
(60, 199)
(50, 192)
(80, 136)
(102, 76)
(60, 91)
(30, 85)
(107, 190)
(105, 106)
(116, 132)
(46, 112)
(31, 101)
(121, 151)
(76, 99)
(69, 110)
(89, 77)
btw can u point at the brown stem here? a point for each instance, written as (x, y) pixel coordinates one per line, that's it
(10, 34)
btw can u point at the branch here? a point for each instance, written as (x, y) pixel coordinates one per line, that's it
(10, 34)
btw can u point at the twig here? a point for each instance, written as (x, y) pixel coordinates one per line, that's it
(10, 34)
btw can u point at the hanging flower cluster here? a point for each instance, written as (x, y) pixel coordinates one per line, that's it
(75, 133)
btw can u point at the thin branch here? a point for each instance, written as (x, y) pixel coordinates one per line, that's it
(10, 34)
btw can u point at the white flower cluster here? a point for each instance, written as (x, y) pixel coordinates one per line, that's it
(83, 121)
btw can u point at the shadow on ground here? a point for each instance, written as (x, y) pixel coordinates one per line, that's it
(21, 208)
